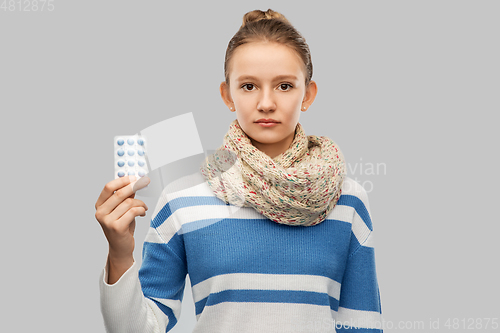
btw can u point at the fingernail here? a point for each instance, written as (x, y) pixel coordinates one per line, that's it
(141, 183)
(132, 178)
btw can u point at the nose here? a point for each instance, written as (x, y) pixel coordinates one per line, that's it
(267, 101)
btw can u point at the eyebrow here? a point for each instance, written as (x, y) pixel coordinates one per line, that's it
(276, 78)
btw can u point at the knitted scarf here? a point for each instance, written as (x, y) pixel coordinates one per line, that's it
(298, 187)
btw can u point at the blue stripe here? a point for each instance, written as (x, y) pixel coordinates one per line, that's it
(182, 202)
(162, 216)
(162, 273)
(359, 206)
(200, 305)
(195, 225)
(359, 289)
(263, 246)
(267, 296)
(334, 303)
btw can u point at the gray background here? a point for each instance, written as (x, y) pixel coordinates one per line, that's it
(410, 85)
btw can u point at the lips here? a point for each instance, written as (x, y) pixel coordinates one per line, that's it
(267, 121)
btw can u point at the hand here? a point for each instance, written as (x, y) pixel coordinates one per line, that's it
(116, 210)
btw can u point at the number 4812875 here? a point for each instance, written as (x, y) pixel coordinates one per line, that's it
(27, 5)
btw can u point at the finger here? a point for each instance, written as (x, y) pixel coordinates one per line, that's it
(127, 205)
(130, 216)
(120, 195)
(111, 187)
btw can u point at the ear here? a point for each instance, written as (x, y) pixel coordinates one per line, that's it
(309, 96)
(226, 96)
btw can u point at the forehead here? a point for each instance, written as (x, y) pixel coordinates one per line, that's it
(265, 60)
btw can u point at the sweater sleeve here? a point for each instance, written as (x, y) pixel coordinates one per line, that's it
(148, 300)
(359, 303)
(124, 307)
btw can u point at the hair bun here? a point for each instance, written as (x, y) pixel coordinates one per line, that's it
(257, 15)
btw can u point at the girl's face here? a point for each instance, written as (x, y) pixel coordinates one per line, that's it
(267, 91)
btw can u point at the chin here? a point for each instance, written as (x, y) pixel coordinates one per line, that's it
(266, 140)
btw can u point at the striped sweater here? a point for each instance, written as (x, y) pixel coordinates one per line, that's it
(249, 274)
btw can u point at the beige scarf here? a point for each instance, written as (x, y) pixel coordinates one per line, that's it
(298, 187)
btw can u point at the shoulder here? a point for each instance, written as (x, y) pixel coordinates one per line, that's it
(181, 202)
(352, 188)
(354, 195)
(353, 200)
(185, 185)
(353, 207)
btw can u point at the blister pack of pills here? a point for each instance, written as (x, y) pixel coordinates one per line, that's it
(130, 156)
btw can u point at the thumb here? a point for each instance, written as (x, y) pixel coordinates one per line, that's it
(141, 183)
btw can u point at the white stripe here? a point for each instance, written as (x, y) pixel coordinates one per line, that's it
(352, 187)
(240, 281)
(173, 304)
(191, 185)
(196, 190)
(156, 316)
(370, 241)
(168, 228)
(341, 213)
(153, 237)
(184, 216)
(195, 213)
(360, 229)
(358, 318)
(230, 317)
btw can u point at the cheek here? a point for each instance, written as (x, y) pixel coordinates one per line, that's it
(292, 105)
(240, 101)
(244, 119)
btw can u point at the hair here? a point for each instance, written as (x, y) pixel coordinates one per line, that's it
(269, 26)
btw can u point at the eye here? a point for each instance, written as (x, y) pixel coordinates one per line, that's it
(285, 86)
(247, 86)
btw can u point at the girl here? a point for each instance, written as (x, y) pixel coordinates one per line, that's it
(274, 237)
